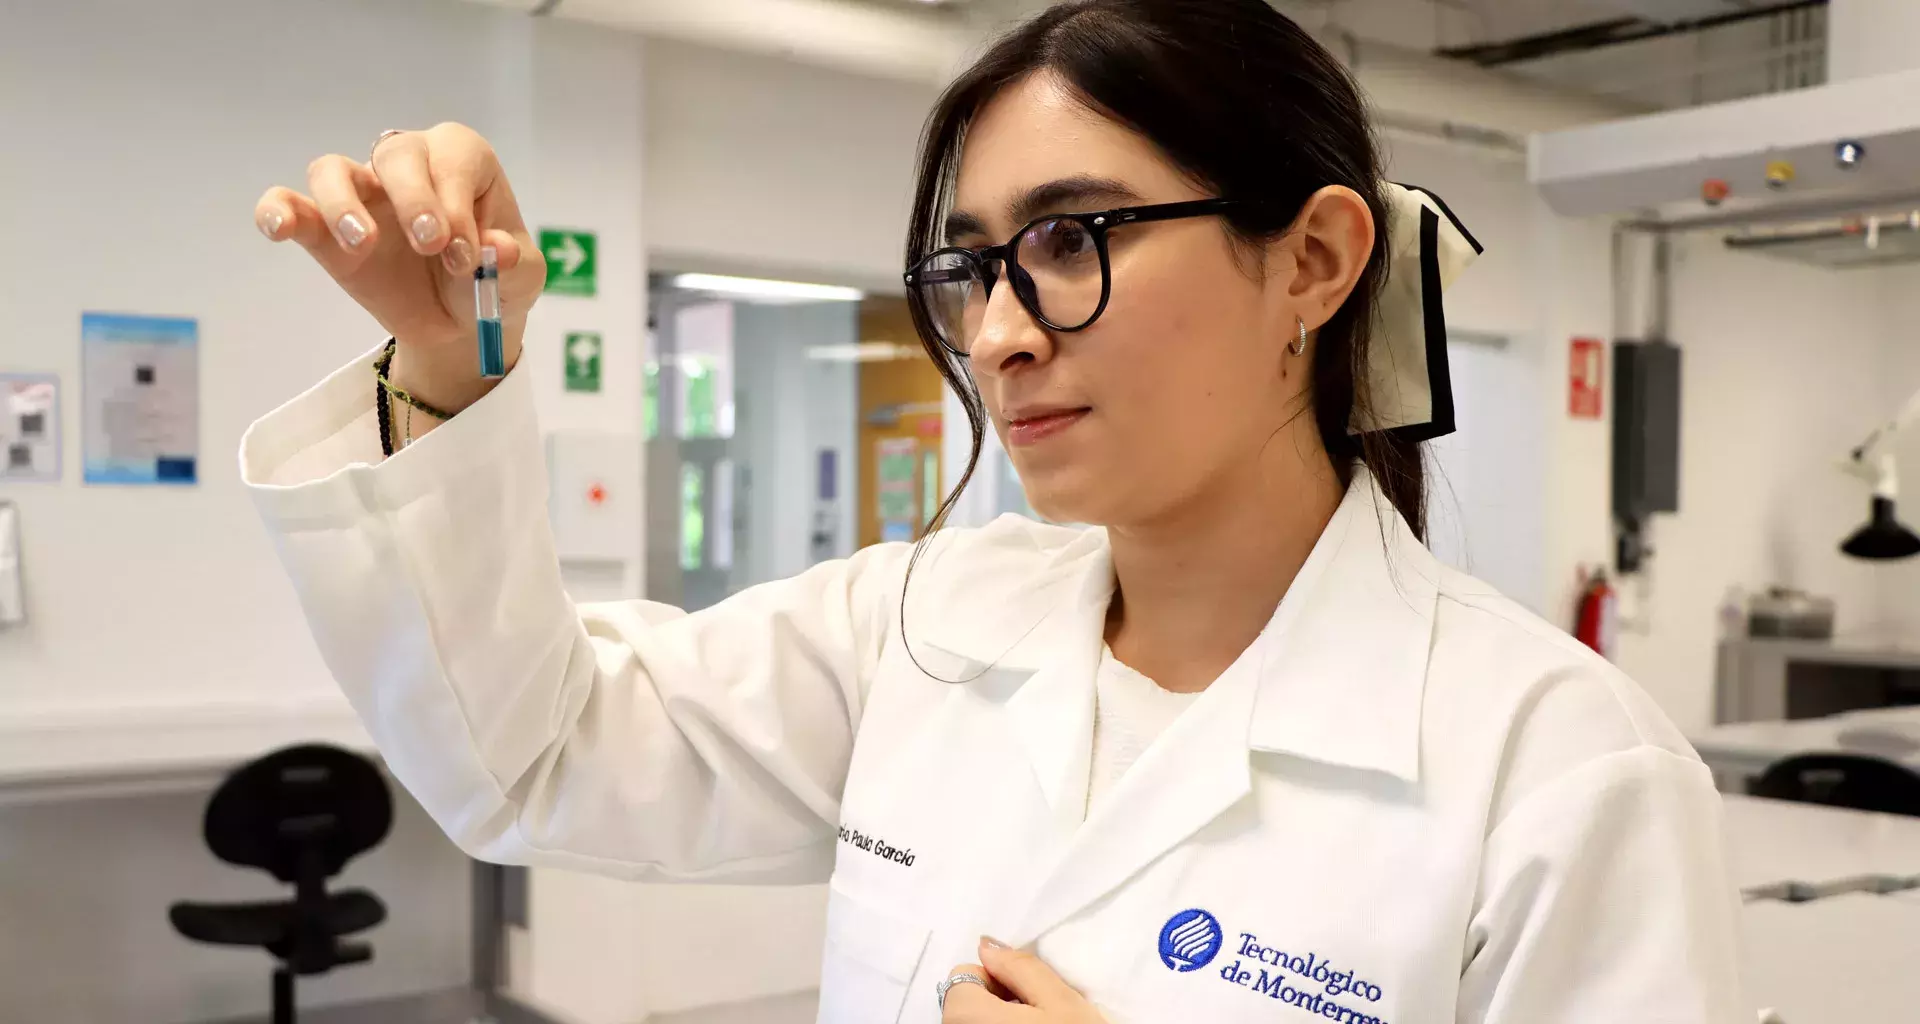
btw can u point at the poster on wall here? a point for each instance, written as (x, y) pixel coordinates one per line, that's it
(895, 496)
(29, 427)
(140, 398)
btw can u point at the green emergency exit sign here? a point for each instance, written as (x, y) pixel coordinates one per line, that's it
(571, 269)
(582, 352)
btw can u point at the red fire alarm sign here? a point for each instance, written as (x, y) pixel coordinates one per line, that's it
(1586, 372)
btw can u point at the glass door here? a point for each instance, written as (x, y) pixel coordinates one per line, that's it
(755, 400)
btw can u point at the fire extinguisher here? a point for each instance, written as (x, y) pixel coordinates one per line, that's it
(1598, 623)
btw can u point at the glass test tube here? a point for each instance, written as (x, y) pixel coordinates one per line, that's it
(486, 312)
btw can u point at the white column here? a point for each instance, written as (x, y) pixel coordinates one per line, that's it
(567, 108)
(1871, 37)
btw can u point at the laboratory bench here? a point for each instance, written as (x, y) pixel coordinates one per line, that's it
(1838, 960)
(1740, 751)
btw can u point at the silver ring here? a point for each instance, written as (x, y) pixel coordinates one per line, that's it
(962, 978)
(384, 136)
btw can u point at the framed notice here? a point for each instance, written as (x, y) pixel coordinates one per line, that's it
(29, 427)
(140, 392)
(896, 495)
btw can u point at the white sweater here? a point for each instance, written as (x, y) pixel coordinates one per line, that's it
(1129, 712)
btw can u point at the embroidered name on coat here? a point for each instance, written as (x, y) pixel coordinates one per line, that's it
(876, 846)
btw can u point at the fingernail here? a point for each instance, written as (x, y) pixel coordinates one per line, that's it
(992, 943)
(270, 222)
(426, 228)
(352, 231)
(458, 257)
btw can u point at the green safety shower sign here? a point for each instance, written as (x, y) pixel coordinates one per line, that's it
(582, 352)
(571, 268)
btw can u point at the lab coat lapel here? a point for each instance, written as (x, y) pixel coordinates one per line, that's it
(1337, 676)
(1346, 676)
(1036, 650)
(1052, 713)
(1194, 771)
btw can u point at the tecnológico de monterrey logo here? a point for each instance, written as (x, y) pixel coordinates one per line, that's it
(1193, 938)
(1190, 941)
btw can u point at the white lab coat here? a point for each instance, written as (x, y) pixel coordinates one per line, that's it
(1409, 801)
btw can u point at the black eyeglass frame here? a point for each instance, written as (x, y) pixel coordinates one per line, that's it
(1097, 224)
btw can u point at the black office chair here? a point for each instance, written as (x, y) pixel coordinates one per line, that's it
(300, 813)
(1856, 781)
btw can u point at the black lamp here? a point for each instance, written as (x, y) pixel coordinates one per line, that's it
(1884, 537)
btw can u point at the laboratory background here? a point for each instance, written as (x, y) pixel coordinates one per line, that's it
(1681, 371)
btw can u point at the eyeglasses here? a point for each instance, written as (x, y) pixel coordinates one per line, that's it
(1058, 266)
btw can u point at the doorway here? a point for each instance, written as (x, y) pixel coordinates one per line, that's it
(786, 424)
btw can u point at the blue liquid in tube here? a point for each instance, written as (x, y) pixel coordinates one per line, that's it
(486, 310)
(493, 350)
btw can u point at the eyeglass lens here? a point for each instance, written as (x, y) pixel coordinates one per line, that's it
(1058, 269)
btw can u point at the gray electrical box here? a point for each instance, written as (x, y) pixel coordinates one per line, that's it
(1646, 429)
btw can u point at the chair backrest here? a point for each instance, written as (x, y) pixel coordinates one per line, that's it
(1856, 781)
(296, 804)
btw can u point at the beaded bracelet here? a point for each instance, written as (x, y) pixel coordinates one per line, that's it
(382, 388)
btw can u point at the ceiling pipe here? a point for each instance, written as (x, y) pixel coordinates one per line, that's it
(929, 45)
(1612, 32)
(1411, 86)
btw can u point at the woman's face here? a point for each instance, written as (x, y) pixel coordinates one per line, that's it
(1185, 379)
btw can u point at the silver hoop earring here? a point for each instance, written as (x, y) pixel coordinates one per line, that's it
(1299, 348)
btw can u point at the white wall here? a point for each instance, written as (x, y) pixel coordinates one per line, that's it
(1785, 367)
(764, 165)
(1777, 359)
(1488, 484)
(1782, 369)
(1898, 302)
(705, 945)
(1870, 37)
(171, 598)
(166, 606)
(165, 599)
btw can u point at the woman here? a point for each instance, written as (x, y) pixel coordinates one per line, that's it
(1246, 753)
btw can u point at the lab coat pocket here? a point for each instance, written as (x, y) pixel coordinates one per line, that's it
(871, 956)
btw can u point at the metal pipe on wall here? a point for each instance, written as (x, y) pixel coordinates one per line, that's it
(1660, 297)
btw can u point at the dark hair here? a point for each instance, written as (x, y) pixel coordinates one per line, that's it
(1248, 106)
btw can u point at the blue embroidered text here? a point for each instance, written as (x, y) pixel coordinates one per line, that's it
(1308, 982)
